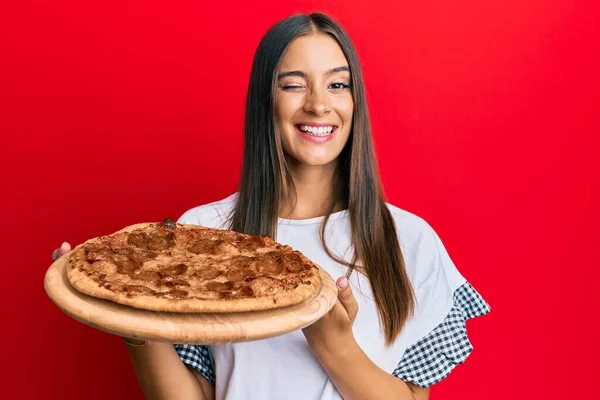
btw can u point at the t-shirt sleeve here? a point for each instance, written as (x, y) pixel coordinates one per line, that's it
(213, 215)
(197, 357)
(444, 302)
(190, 217)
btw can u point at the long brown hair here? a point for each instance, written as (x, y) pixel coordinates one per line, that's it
(266, 181)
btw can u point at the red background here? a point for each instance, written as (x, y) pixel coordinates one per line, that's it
(485, 121)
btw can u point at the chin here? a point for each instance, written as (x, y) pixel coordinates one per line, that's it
(315, 161)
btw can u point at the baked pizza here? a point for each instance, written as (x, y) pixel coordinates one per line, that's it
(176, 267)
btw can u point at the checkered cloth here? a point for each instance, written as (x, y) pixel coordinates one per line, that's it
(425, 363)
(432, 358)
(197, 357)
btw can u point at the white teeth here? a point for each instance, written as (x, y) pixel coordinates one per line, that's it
(316, 131)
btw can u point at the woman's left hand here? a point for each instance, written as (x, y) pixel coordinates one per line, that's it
(334, 329)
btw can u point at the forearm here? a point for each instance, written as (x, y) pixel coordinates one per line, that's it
(162, 375)
(356, 377)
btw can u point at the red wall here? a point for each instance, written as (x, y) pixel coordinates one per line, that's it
(485, 116)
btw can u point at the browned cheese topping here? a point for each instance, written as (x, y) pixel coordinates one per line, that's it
(165, 261)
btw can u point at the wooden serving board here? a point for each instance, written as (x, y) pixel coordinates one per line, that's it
(191, 328)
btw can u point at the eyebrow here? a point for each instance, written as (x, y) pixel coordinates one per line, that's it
(302, 74)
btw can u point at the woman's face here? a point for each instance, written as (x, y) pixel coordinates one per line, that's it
(313, 100)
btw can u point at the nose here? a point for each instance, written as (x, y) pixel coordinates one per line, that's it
(317, 102)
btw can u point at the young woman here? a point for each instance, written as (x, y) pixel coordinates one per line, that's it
(310, 180)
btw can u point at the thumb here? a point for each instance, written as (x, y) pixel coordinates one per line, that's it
(346, 297)
(63, 249)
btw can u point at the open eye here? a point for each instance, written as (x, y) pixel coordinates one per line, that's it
(338, 86)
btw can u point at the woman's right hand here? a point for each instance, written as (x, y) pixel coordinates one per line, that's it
(159, 368)
(63, 249)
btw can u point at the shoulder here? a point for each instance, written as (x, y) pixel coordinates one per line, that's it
(213, 215)
(411, 228)
(425, 254)
(413, 231)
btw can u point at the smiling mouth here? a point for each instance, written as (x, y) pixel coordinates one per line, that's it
(324, 130)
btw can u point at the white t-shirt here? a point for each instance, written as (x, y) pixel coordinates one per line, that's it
(284, 367)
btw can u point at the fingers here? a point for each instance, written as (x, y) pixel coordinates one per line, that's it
(64, 248)
(347, 298)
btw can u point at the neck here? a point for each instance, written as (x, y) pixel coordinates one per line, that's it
(314, 191)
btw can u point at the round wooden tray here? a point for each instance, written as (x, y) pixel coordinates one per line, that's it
(191, 328)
